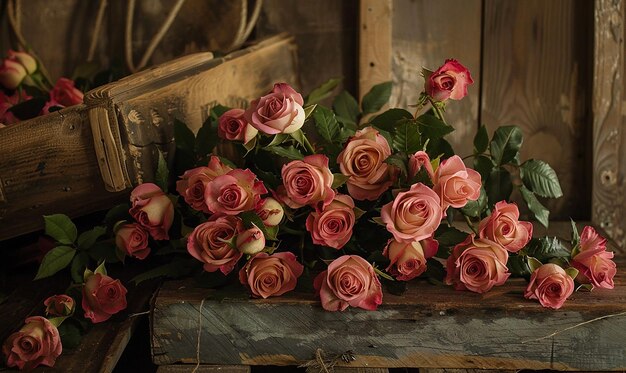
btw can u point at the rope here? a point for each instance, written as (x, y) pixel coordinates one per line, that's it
(245, 26)
(15, 22)
(96, 30)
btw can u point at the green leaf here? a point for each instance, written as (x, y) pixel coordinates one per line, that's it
(481, 140)
(533, 263)
(575, 234)
(498, 186)
(278, 139)
(505, 144)
(88, 238)
(70, 335)
(183, 136)
(432, 127)
(407, 137)
(298, 136)
(571, 272)
(475, 208)
(449, 236)
(268, 178)
(539, 177)
(398, 160)
(338, 180)
(218, 110)
(376, 98)
(207, 138)
(174, 269)
(439, 148)
(55, 260)
(288, 152)
(117, 213)
(326, 124)
(518, 266)
(322, 92)
(541, 213)
(546, 248)
(251, 218)
(387, 120)
(161, 177)
(308, 110)
(435, 271)
(61, 228)
(483, 165)
(101, 269)
(346, 107)
(79, 263)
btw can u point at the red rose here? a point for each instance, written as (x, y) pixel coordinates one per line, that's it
(132, 239)
(65, 94)
(332, 225)
(503, 226)
(207, 243)
(233, 126)
(153, 209)
(280, 111)
(271, 275)
(102, 297)
(448, 81)
(550, 285)
(59, 305)
(193, 183)
(235, 192)
(37, 343)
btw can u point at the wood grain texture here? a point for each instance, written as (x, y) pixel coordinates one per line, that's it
(374, 43)
(536, 74)
(425, 34)
(189, 368)
(609, 160)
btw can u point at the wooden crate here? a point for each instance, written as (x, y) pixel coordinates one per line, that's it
(67, 161)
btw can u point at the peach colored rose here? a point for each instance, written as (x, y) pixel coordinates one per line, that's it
(233, 126)
(280, 111)
(363, 161)
(349, 281)
(24, 59)
(413, 215)
(448, 81)
(332, 225)
(194, 182)
(102, 297)
(207, 243)
(237, 191)
(65, 94)
(307, 182)
(132, 239)
(37, 343)
(417, 161)
(503, 226)
(12, 73)
(477, 264)
(250, 241)
(59, 305)
(595, 264)
(550, 285)
(408, 259)
(153, 209)
(455, 183)
(271, 275)
(270, 211)
(7, 102)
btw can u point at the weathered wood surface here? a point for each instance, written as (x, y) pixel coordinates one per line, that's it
(428, 327)
(187, 368)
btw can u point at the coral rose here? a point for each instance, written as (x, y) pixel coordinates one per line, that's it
(413, 215)
(503, 226)
(59, 305)
(408, 259)
(363, 161)
(37, 343)
(102, 297)
(456, 184)
(595, 264)
(332, 225)
(307, 182)
(448, 81)
(271, 275)
(194, 182)
(349, 281)
(280, 111)
(477, 264)
(209, 243)
(153, 209)
(550, 285)
(234, 127)
(132, 239)
(235, 192)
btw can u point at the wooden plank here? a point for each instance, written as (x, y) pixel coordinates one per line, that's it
(374, 43)
(428, 327)
(189, 368)
(425, 34)
(609, 162)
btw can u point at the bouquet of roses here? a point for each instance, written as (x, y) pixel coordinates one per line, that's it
(290, 194)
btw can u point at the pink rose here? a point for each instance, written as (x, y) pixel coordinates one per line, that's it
(207, 243)
(65, 94)
(250, 241)
(237, 191)
(233, 126)
(595, 264)
(550, 285)
(37, 343)
(408, 259)
(193, 183)
(477, 264)
(363, 161)
(132, 239)
(24, 59)
(153, 209)
(14, 69)
(59, 305)
(270, 211)
(271, 275)
(332, 225)
(349, 281)
(280, 111)
(503, 226)
(419, 160)
(308, 181)
(455, 183)
(102, 297)
(413, 215)
(7, 102)
(448, 81)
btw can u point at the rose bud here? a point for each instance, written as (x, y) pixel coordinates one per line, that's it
(59, 305)
(11, 74)
(193, 183)
(456, 184)
(413, 215)
(550, 285)
(209, 243)
(332, 225)
(307, 182)
(237, 191)
(102, 297)
(595, 264)
(234, 127)
(37, 343)
(349, 281)
(477, 264)
(251, 241)
(25, 59)
(448, 81)
(132, 239)
(417, 161)
(65, 94)
(280, 111)
(271, 275)
(503, 226)
(363, 161)
(270, 211)
(408, 259)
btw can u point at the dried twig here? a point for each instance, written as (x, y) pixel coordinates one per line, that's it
(575, 326)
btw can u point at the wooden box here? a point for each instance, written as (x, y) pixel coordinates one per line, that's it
(85, 158)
